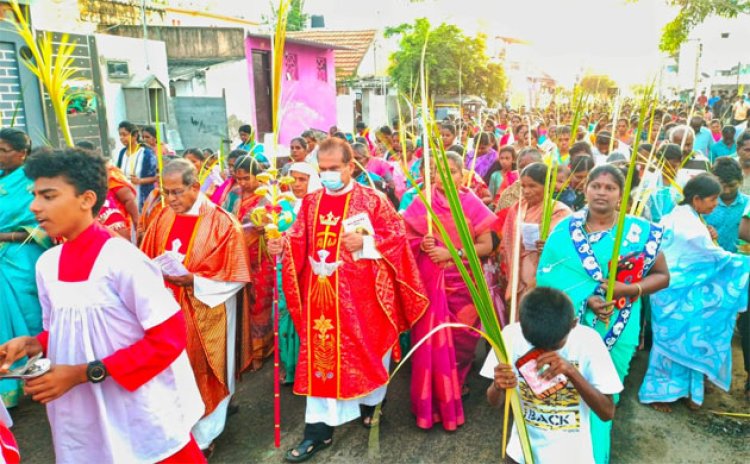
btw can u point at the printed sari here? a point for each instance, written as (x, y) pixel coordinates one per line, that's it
(440, 366)
(576, 263)
(693, 319)
(259, 294)
(20, 313)
(528, 259)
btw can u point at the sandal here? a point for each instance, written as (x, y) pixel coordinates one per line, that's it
(368, 415)
(208, 452)
(306, 449)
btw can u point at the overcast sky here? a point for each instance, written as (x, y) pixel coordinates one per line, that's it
(610, 36)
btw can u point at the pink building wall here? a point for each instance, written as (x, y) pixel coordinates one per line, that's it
(306, 102)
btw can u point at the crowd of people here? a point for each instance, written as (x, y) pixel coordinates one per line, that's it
(151, 290)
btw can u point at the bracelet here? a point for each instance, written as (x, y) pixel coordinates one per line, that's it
(640, 291)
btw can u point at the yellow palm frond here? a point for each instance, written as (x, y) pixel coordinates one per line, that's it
(54, 70)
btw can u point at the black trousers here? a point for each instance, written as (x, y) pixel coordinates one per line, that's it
(318, 431)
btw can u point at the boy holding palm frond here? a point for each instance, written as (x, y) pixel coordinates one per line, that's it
(577, 376)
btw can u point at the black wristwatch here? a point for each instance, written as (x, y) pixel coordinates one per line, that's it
(96, 372)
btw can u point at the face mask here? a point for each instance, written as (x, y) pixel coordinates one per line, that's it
(331, 180)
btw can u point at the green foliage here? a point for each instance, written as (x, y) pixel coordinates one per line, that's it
(597, 84)
(296, 20)
(691, 14)
(450, 54)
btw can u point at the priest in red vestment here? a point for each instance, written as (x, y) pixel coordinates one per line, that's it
(351, 285)
(204, 261)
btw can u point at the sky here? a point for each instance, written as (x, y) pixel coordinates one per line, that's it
(567, 37)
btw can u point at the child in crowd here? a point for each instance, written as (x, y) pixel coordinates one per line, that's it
(120, 389)
(571, 356)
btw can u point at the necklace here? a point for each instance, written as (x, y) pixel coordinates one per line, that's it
(588, 230)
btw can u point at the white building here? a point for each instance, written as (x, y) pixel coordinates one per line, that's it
(716, 56)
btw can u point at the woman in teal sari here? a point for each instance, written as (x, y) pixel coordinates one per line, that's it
(576, 260)
(21, 244)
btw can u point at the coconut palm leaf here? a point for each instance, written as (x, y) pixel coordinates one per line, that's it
(54, 70)
(646, 102)
(159, 152)
(279, 41)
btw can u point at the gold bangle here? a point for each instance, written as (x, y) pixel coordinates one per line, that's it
(640, 291)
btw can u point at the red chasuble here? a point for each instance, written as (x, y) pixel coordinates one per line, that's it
(348, 313)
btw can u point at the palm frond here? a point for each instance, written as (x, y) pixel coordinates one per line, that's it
(279, 42)
(643, 112)
(159, 152)
(426, 129)
(54, 69)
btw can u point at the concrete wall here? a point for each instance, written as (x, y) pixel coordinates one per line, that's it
(345, 110)
(134, 51)
(306, 102)
(192, 43)
(232, 77)
(62, 16)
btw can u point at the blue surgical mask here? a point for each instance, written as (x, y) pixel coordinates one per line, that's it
(331, 180)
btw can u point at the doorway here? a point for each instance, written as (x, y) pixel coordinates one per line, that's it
(262, 85)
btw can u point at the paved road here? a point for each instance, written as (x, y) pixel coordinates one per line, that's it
(641, 435)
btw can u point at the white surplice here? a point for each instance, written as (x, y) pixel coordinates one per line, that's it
(90, 320)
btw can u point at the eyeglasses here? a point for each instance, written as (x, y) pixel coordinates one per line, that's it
(175, 192)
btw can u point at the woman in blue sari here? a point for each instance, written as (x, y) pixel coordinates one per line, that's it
(693, 320)
(21, 244)
(576, 260)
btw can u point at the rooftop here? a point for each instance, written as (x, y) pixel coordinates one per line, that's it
(352, 46)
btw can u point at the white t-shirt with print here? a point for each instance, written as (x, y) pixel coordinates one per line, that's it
(558, 426)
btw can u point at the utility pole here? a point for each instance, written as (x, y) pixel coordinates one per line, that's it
(145, 34)
(697, 69)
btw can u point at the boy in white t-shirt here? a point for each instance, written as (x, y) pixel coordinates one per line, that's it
(558, 424)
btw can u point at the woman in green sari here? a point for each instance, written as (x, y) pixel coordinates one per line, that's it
(576, 260)
(21, 244)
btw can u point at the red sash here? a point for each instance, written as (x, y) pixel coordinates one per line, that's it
(8, 447)
(323, 324)
(183, 229)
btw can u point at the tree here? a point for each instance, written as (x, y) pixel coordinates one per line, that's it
(597, 84)
(296, 18)
(692, 13)
(450, 55)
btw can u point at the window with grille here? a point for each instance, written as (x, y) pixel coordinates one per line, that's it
(322, 64)
(290, 65)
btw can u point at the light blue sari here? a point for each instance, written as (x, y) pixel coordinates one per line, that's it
(20, 313)
(693, 319)
(576, 263)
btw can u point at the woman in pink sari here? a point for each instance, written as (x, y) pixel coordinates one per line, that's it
(440, 366)
(531, 203)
